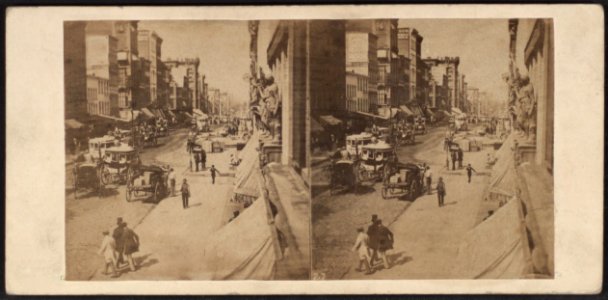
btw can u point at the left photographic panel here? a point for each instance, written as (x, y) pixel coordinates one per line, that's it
(184, 159)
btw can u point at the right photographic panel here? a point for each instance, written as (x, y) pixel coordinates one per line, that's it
(433, 158)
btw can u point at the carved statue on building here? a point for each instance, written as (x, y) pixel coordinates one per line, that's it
(522, 102)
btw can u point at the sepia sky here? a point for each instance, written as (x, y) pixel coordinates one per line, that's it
(223, 48)
(481, 44)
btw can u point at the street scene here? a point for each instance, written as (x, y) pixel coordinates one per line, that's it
(436, 161)
(180, 158)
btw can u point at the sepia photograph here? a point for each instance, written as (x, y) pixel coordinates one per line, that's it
(185, 157)
(432, 156)
(304, 149)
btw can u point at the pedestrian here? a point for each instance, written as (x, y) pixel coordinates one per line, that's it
(185, 193)
(385, 243)
(446, 144)
(213, 170)
(362, 248)
(204, 159)
(75, 146)
(454, 159)
(470, 171)
(117, 235)
(372, 233)
(428, 176)
(460, 157)
(171, 178)
(440, 191)
(108, 250)
(130, 242)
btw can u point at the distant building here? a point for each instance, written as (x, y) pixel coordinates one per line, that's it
(186, 75)
(75, 71)
(357, 94)
(149, 46)
(473, 98)
(447, 66)
(102, 64)
(361, 58)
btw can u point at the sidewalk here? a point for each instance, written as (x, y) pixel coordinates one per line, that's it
(427, 236)
(172, 238)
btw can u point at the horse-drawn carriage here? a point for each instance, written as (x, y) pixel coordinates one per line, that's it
(374, 158)
(147, 181)
(420, 126)
(343, 176)
(116, 164)
(355, 142)
(86, 177)
(402, 179)
(98, 146)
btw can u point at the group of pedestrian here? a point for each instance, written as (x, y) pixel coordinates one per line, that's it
(373, 245)
(118, 248)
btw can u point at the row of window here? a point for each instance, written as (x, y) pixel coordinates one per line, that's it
(99, 108)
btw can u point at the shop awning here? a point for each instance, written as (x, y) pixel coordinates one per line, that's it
(371, 115)
(147, 113)
(243, 248)
(248, 183)
(429, 113)
(406, 110)
(447, 114)
(171, 114)
(417, 111)
(456, 110)
(73, 124)
(330, 120)
(315, 126)
(496, 248)
(187, 114)
(199, 113)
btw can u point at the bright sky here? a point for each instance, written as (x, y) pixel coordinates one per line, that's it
(481, 44)
(222, 46)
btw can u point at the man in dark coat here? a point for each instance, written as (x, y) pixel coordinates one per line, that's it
(213, 170)
(372, 232)
(130, 241)
(203, 158)
(385, 242)
(440, 191)
(117, 235)
(454, 159)
(185, 193)
(470, 171)
(460, 157)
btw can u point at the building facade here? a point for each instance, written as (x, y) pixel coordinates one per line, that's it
(125, 33)
(98, 96)
(308, 61)
(361, 59)
(357, 94)
(185, 73)
(149, 46)
(102, 64)
(448, 66)
(75, 70)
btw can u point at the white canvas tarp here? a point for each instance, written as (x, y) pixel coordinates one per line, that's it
(503, 178)
(248, 181)
(243, 248)
(249, 157)
(496, 248)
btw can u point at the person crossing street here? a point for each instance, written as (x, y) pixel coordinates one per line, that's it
(213, 170)
(470, 171)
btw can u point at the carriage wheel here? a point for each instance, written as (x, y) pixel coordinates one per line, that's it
(105, 176)
(157, 192)
(385, 193)
(412, 191)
